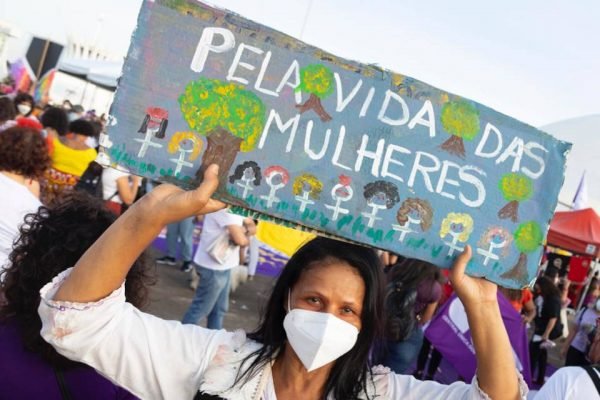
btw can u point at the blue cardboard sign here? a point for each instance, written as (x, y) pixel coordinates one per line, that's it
(344, 148)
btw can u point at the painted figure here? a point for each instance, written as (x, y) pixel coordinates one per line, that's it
(412, 213)
(154, 125)
(246, 175)
(276, 177)
(459, 227)
(307, 188)
(188, 145)
(340, 193)
(380, 195)
(494, 238)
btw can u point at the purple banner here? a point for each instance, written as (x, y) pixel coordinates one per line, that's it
(450, 334)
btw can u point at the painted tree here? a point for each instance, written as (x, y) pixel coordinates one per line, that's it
(515, 188)
(317, 80)
(461, 120)
(527, 238)
(230, 117)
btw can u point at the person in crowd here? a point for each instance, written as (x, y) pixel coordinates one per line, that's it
(314, 341)
(214, 262)
(7, 113)
(76, 112)
(23, 159)
(522, 302)
(23, 105)
(180, 231)
(412, 296)
(50, 241)
(576, 382)
(547, 325)
(55, 121)
(119, 188)
(71, 155)
(574, 349)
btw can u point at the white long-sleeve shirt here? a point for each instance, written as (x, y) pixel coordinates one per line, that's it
(158, 359)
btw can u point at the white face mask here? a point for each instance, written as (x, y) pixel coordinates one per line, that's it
(318, 338)
(91, 142)
(24, 109)
(598, 305)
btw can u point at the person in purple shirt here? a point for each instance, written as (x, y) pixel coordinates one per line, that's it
(50, 241)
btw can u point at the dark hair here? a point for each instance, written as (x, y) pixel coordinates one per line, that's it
(7, 109)
(24, 98)
(401, 295)
(57, 119)
(239, 172)
(389, 189)
(50, 241)
(547, 287)
(23, 151)
(349, 375)
(82, 127)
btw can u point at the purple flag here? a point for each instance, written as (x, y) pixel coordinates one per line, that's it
(449, 333)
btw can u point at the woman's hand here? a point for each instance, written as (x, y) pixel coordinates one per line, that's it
(471, 291)
(168, 203)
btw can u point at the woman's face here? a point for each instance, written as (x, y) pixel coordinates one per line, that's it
(334, 287)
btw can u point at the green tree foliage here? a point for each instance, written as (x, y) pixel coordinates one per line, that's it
(516, 186)
(528, 237)
(461, 119)
(316, 79)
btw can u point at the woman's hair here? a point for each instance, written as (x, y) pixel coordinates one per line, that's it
(401, 295)
(50, 241)
(57, 119)
(7, 109)
(547, 287)
(83, 127)
(349, 375)
(512, 294)
(23, 151)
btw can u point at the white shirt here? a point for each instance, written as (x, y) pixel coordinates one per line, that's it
(568, 383)
(586, 322)
(215, 224)
(109, 184)
(158, 359)
(15, 202)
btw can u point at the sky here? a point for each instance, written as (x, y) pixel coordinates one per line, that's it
(535, 60)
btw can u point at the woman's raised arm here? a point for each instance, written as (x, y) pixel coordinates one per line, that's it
(496, 370)
(102, 268)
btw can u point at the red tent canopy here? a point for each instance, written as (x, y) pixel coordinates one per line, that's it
(576, 231)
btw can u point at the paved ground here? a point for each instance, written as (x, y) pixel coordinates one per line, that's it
(171, 296)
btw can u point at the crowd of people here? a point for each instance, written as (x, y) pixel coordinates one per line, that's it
(342, 321)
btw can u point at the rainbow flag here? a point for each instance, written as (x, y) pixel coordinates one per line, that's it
(22, 75)
(42, 89)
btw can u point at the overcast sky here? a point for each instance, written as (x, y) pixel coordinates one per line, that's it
(536, 60)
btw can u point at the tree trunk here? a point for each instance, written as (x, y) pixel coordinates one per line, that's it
(454, 145)
(510, 210)
(314, 103)
(519, 271)
(222, 148)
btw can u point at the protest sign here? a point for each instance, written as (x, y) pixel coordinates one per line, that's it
(344, 148)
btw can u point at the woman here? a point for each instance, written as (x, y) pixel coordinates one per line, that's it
(23, 159)
(335, 292)
(37, 257)
(413, 293)
(547, 325)
(7, 113)
(71, 155)
(24, 105)
(55, 121)
(522, 302)
(119, 188)
(577, 344)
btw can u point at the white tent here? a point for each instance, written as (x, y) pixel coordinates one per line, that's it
(102, 73)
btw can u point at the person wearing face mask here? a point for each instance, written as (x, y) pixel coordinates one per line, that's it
(24, 105)
(574, 350)
(71, 155)
(314, 340)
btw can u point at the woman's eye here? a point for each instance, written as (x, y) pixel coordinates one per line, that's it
(314, 300)
(347, 310)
